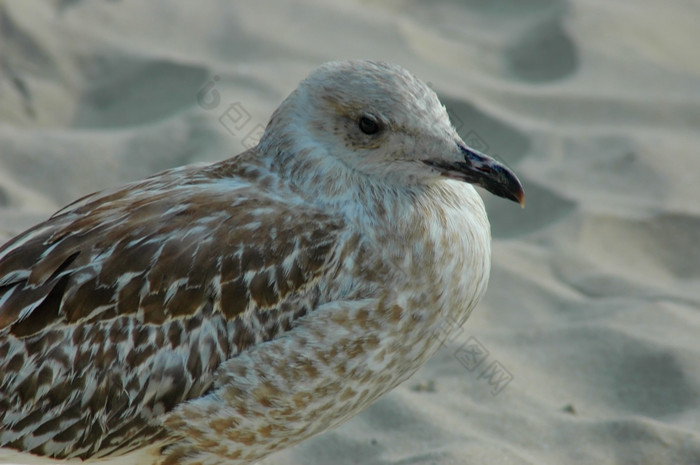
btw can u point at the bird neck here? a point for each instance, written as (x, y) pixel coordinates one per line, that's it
(333, 186)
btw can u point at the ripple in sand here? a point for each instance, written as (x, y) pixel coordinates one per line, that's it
(543, 53)
(129, 92)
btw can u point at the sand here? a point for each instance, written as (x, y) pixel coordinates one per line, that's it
(585, 349)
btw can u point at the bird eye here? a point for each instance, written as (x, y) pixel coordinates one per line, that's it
(369, 125)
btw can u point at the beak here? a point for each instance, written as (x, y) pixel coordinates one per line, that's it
(483, 171)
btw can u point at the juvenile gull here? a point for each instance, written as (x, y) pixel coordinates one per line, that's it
(216, 314)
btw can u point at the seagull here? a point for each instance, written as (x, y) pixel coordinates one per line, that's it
(214, 314)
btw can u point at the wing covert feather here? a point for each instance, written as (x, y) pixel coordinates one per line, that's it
(115, 311)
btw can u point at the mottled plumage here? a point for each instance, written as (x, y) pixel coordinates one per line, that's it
(213, 314)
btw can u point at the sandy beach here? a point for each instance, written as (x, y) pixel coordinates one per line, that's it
(585, 349)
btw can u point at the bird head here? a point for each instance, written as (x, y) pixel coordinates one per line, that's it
(381, 121)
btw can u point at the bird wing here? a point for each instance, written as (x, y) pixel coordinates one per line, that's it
(123, 305)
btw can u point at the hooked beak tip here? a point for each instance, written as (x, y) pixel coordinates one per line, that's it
(493, 175)
(484, 171)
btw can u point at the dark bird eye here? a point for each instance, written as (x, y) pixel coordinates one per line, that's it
(369, 125)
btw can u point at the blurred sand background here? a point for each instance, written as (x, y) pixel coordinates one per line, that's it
(586, 349)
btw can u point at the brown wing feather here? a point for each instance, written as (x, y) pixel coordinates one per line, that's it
(115, 311)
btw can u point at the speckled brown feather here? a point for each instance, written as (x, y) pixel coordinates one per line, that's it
(165, 277)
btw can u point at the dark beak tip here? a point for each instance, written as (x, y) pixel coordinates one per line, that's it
(516, 189)
(484, 171)
(517, 192)
(492, 175)
(512, 193)
(507, 185)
